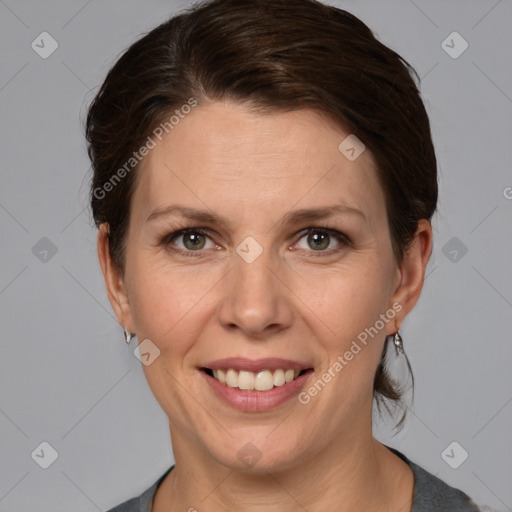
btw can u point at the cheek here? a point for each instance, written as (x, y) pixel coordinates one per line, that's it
(170, 306)
(165, 308)
(351, 305)
(349, 300)
(163, 301)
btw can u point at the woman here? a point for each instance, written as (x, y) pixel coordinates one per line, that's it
(264, 180)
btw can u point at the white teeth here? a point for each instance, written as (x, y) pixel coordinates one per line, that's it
(245, 380)
(232, 378)
(279, 378)
(264, 381)
(220, 376)
(261, 381)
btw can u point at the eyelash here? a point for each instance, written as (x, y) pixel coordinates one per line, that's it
(340, 237)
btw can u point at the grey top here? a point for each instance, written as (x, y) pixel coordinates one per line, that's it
(430, 494)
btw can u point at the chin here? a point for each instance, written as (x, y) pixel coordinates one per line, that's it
(259, 454)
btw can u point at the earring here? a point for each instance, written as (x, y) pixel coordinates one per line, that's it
(399, 345)
(127, 335)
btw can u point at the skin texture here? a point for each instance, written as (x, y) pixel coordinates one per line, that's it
(294, 301)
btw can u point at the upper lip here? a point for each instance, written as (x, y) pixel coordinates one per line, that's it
(256, 365)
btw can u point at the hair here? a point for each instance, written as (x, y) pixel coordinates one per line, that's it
(273, 56)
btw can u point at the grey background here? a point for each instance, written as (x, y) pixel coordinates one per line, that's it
(66, 375)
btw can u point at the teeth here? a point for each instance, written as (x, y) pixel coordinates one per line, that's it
(246, 380)
(279, 378)
(232, 378)
(261, 381)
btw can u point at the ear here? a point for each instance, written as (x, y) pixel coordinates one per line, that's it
(412, 273)
(113, 281)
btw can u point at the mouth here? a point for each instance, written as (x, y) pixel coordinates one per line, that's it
(262, 380)
(256, 385)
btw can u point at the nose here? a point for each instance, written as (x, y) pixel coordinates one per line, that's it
(255, 298)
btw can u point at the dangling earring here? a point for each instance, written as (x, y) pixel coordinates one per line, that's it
(127, 335)
(399, 345)
(396, 366)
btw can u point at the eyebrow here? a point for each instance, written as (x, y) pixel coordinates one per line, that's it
(293, 217)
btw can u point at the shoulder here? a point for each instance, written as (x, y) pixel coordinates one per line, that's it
(132, 505)
(432, 493)
(143, 502)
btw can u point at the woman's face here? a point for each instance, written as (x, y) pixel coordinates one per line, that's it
(268, 288)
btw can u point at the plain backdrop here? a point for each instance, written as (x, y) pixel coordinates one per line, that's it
(68, 379)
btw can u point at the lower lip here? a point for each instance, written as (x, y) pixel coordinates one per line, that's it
(252, 400)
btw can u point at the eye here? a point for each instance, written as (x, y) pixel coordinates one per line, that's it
(193, 240)
(319, 239)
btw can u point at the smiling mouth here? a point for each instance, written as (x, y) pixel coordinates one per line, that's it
(263, 380)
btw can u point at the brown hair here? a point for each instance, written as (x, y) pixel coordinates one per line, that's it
(273, 55)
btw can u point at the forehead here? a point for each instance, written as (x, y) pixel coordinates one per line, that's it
(224, 157)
